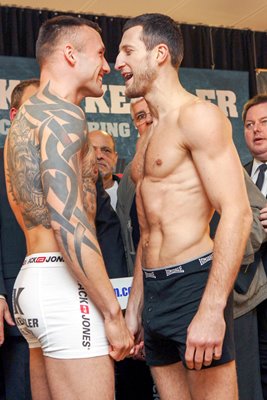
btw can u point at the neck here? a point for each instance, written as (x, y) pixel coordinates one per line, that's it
(165, 94)
(108, 182)
(58, 87)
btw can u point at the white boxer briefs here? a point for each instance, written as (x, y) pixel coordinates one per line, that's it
(53, 311)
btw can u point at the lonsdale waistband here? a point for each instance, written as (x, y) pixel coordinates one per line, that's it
(182, 269)
(43, 259)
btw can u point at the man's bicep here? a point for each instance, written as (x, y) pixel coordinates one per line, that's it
(218, 164)
(60, 165)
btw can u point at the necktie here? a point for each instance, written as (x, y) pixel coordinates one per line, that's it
(262, 168)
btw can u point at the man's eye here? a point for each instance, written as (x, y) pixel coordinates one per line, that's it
(141, 116)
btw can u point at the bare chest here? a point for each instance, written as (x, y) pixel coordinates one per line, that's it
(159, 156)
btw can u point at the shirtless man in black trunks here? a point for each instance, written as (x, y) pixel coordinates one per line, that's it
(186, 165)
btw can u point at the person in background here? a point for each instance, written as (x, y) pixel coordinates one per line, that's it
(255, 130)
(106, 157)
(14, 352)
(137, 382)
(126, 206)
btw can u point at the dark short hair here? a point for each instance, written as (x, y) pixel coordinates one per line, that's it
(55, 28)
(254, 101)
(159, 28)
(19, 89)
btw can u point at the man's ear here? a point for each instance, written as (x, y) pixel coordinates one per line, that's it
(69, 54)
(12, 113)
(162, 52)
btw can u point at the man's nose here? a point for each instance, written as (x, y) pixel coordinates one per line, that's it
(98, 153)
(149, 119)
(257, 126)
(106, 67)
(119, 62)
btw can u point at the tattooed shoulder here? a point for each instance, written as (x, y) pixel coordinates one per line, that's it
(23, 160)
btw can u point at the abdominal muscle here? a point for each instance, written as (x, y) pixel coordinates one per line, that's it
(174, 223)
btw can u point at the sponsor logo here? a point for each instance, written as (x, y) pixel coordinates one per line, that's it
(150, 274)
(43, 259)
(15, 298)
(85, 317)
(22, 323)
(122, 292)
(204, 260)
(29, 322)
(177, 270)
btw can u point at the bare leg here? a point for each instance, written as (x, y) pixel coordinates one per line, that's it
(171, 382)
(83, 379)
(39, 384)
(218, 383)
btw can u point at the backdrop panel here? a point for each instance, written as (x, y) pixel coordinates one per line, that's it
(228, 89)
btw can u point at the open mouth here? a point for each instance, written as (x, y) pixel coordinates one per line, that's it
(127, 76)
(258, 140)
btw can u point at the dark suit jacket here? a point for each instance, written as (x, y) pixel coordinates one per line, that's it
(248, 168)
(109, 236)
(12, 241)
(12, 246)
(247, 271)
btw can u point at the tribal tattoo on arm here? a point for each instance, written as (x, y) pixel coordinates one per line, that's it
(50, 173)
(89, 178)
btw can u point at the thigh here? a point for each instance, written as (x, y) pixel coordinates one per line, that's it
(83, 379)
(218, 383)
(38, 375)
(171, 381)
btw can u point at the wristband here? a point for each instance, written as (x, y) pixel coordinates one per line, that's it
(2, 297)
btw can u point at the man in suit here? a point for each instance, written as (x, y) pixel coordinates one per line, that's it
(106, 158)
(14, 353)
(138, 383)
(255, 128)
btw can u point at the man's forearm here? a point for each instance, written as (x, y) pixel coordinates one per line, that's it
(229, 245)
(136, 298)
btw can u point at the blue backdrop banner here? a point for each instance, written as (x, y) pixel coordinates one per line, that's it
(111, 113)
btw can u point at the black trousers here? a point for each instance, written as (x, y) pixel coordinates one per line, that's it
(247, 357)
(133, 381)
(262, 330)
(14, 369)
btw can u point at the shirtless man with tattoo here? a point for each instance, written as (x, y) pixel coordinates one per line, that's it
(185, 166)
(64, 303)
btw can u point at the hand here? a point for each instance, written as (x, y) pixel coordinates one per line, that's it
(263, 218)
(139, 352)
(4, 316)
(205, 337)
(134, 324)
(121, 341)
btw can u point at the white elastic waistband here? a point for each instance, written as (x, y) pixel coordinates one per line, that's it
(43, 259)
